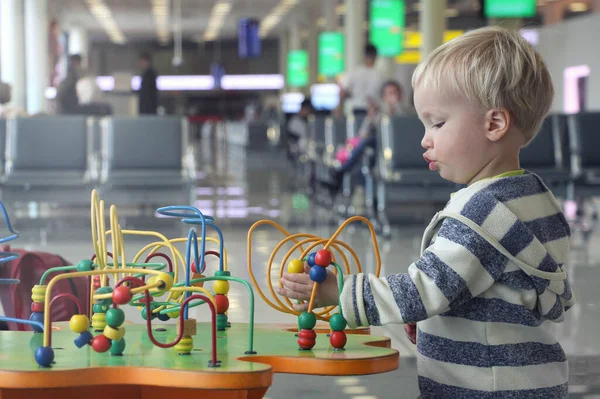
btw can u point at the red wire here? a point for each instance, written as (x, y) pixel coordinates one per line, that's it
(59, 296)
(161, 255)
(215, 253)
(135, 282)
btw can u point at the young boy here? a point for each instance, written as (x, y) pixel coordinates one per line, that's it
(491, 269)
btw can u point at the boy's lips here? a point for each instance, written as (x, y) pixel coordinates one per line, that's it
(431, 162)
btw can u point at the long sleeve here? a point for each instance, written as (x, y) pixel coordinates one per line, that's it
(457, 267)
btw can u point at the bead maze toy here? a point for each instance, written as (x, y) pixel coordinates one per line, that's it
(217, 359)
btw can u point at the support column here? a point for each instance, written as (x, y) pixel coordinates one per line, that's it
(433, 24)
(354, 32)
(283, 51)
(36, 54)
(12, 43)
(78, 43)
(331, 24)
(295, 39)
(313, 53)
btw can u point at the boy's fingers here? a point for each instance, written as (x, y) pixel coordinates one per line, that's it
(297, 287)
(300, 278)
(306, 267)
(301, 307)
(293, 294)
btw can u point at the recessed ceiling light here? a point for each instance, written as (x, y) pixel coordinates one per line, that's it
(578, 7)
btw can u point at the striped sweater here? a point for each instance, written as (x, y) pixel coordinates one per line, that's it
(490, 272)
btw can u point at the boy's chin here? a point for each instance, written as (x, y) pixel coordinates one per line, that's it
(451, 178)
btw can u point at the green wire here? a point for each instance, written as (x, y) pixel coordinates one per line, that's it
(56, 269)
(340, 285)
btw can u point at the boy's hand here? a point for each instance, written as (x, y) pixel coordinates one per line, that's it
(299, 286)
(411, 332)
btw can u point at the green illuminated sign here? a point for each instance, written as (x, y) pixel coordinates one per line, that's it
(509, 8)
(386, 26)
(297, 68)
(331, 54)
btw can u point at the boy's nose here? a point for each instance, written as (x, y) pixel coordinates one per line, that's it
(427, 142)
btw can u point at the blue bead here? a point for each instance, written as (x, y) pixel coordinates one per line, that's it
(163, 317)
(39, 317)
(83, 339)
(311, 259)
(44, 356)
(318, 274)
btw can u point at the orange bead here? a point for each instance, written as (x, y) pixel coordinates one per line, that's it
(222, 303)
(198, 284)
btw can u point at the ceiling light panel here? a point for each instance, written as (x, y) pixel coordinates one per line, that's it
(217, 17)
(161, 11)
(104, 16)
(275, 16)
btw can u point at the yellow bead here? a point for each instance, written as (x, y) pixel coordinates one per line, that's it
(122, 331)
(221, 287)
(113, 333)
(185, 345)
(38, 293)
(98, 321)
(174, 314)
(296, 266)
(167, 283)
(79, 323)
(175, 295)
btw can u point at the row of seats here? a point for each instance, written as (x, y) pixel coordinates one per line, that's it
(563, 154)
(77, 150)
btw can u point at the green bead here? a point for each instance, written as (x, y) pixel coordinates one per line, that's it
(144, 316)
(337, 322)
(104, 290)
(307, 321)
(221, 273)
(85, 265)
(99, 308)
(115, 317)
(117, 347)
(221, 322)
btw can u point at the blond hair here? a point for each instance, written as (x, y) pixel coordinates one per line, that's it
(496, 68)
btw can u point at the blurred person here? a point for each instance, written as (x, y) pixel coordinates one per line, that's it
(148, 93)
(297, 128)
(362, 84)
(66, 97)
(7, 111)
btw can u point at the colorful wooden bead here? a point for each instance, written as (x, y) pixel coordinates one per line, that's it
(318, 274)
(114, 334)
(96, 308)
(38, 293)
(221, 287)
(221, 322)
(121, 295)
(102, 291)
(79, 323)
(337, 322)
(163, 316)
(193, 267)
(85, 338)
(153, 315)
(338, 339)
(85, 265)
(37, 307)
(222, 273)
(185, 345)
(39, 317)
(307, 339)
(307, 321)
(174, 314)
(98, 321)
(311, 259)
(295, 266)
(100, 343)
(197, 283)
(117, 347)
(323, 258)
(44, 356)
(222, 303)
(115, 317)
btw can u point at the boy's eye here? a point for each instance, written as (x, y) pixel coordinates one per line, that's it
(438, 125)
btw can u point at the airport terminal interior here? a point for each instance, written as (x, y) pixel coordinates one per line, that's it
(299, 112)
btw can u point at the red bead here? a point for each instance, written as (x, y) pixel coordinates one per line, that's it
(307, 339)
(323, 258)
(194, 267)
(96, 282)
(101, 344)
(37, 307)
(222, 303)
(338, 339)
(121, 295)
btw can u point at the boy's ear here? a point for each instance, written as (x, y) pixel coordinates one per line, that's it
(497, 124)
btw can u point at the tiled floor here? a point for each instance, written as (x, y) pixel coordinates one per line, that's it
(240, 188)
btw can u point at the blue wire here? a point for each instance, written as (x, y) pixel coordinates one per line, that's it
(9, 281)
(14, 233)
(22, 321)
(192, 238)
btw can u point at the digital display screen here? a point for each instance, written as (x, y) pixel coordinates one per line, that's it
(386, 26)
(297, 68)
(509, 8)
(331, 54)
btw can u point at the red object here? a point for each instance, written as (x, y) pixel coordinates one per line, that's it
(222, 303)
(160, 255)
(307, 339)
(29, 267)
(338, 339)
(37, 307)
(121, 295)
(323, 258)
(100, 343)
